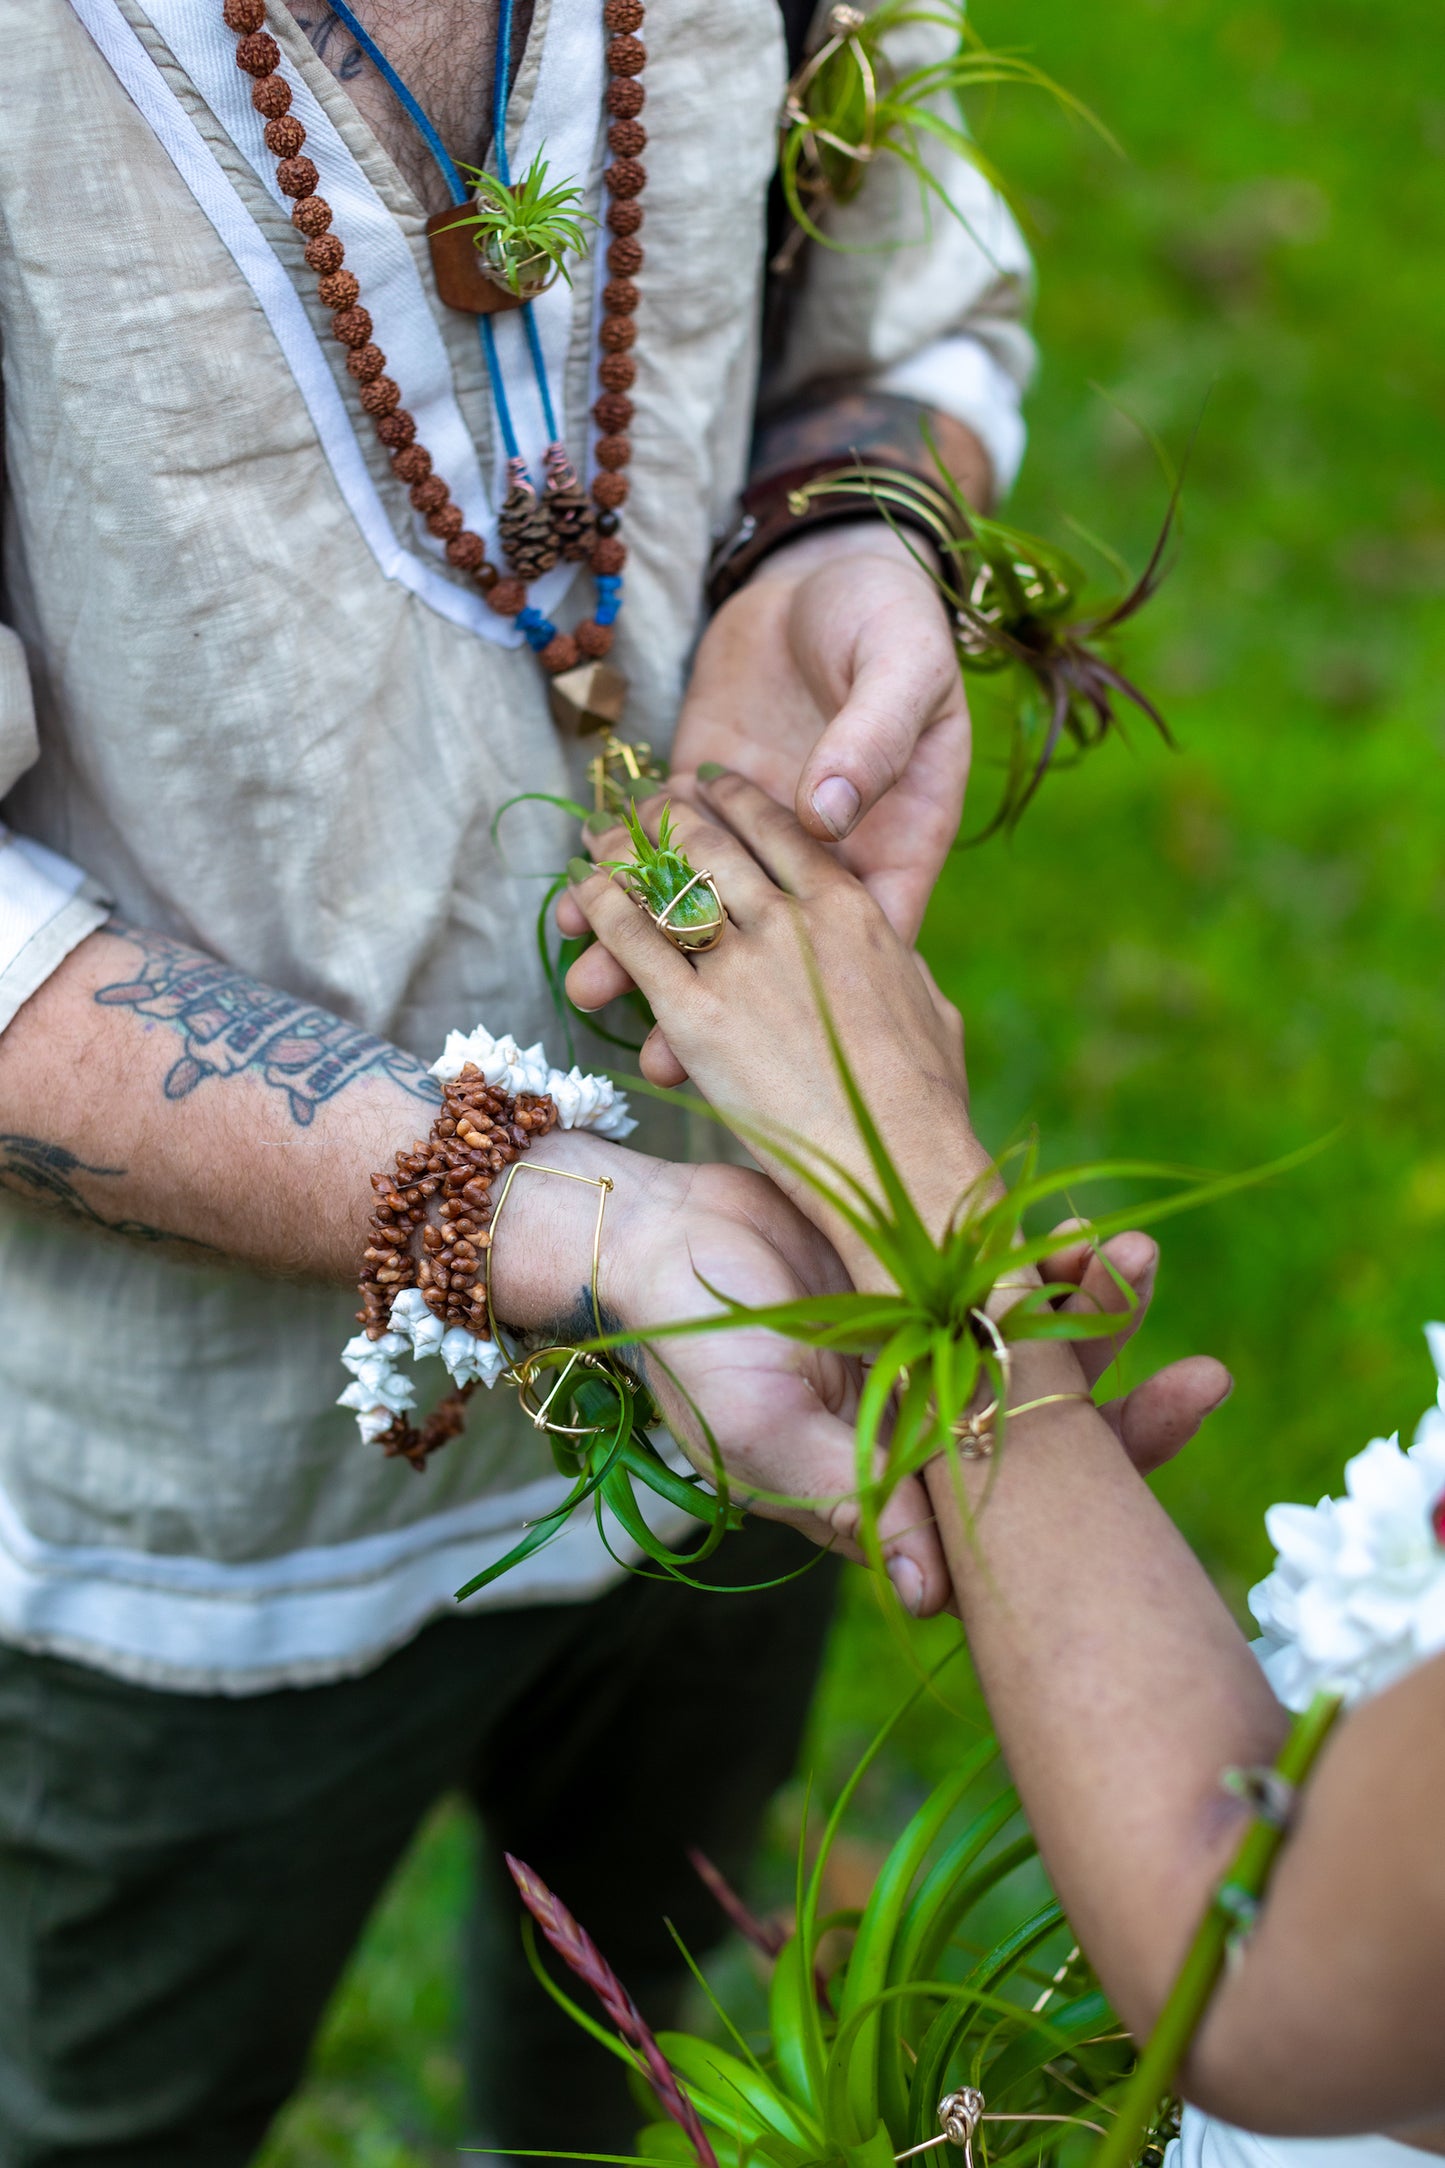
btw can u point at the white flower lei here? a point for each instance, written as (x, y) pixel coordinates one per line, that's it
(1357, 1595)
(379, 1390)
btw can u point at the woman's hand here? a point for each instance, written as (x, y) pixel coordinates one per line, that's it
(745, 1020)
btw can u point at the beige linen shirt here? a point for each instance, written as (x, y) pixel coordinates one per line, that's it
(242, 690)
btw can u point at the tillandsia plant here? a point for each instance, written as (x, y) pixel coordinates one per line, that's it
(599, 1421)
(680, 899)
(931, 1344)
(958, 1999)
(1020, 606)
(1020, 610)
(525, 231)
(849, 105)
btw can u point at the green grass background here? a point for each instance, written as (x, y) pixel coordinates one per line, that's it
(1210, 956)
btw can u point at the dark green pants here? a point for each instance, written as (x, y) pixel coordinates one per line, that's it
(182, 1877)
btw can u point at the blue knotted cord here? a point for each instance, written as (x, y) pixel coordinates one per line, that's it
(461, 195)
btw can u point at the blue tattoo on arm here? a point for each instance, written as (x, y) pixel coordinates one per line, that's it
(231, 1025)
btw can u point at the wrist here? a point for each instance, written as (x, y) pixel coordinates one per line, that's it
(868, 537)
(939, 1169)
(543, 1247)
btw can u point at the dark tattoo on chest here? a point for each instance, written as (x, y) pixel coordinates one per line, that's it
(45, 1174)
(230, 1025)
(332, 42)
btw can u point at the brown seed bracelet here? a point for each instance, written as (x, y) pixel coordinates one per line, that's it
(440, 1193)
(535, 531)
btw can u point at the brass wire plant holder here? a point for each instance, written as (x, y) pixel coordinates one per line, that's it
(597, 1417)
(1017, 605)
(849, 104)
(681, 900)
(525, 1371)
(961, 1999)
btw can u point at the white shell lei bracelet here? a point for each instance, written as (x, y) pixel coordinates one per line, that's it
(496, 1097)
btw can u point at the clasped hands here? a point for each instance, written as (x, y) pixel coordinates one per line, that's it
(830, 683)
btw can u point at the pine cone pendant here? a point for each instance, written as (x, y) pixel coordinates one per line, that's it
(525, 529)
(570, 513)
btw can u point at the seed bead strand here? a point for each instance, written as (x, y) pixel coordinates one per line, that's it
(430, 1225)
(338, 289)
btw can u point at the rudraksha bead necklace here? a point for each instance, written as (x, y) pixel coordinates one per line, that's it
(258, 53)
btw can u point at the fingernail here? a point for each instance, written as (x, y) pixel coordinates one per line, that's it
(708, 771)
(1219, 1403)
(907, 1584)
(836, 804)
(579, 870)
(597, 824)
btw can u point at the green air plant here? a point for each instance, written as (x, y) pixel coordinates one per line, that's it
(599, 1421)
(926, 1345)
(849, 105)
(958, 1973)
(526, 231)
(681, 900)
(926, 1348)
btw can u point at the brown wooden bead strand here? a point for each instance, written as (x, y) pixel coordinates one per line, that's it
(339, 291)
(430, 1228)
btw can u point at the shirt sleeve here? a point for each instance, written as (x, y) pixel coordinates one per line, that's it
(927, 292)
(47, 905)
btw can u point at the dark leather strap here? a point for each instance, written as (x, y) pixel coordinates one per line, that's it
(765, 522)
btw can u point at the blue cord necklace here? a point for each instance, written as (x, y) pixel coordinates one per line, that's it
(535, 532)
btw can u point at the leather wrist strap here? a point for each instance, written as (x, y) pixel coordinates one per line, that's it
(778, 507)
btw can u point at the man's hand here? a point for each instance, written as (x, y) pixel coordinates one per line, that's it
(780, 1415)
(831, 680)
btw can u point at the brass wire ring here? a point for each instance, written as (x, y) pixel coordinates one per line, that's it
(691, 940)
(974, 1433)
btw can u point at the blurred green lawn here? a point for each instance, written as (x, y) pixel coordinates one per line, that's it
(1210, 956)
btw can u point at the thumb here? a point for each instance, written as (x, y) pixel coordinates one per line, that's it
(867, 747)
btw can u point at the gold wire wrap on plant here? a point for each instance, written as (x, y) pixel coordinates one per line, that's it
(844, 25)
(903, 493)
(526, 1372)
(961, 2113)
(974, 1434)
(692, 940)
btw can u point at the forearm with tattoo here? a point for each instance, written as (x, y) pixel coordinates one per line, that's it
(151, 1091)
(230, 1025)
(47, 1175)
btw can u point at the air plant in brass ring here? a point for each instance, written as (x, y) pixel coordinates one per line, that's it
(681, 900)
(695, 938)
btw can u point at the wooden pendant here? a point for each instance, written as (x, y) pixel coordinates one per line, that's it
(457, 264)
(589, 698)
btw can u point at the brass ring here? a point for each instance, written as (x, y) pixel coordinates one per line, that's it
(564, 1360)
(692, 940)
(974, 1432)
